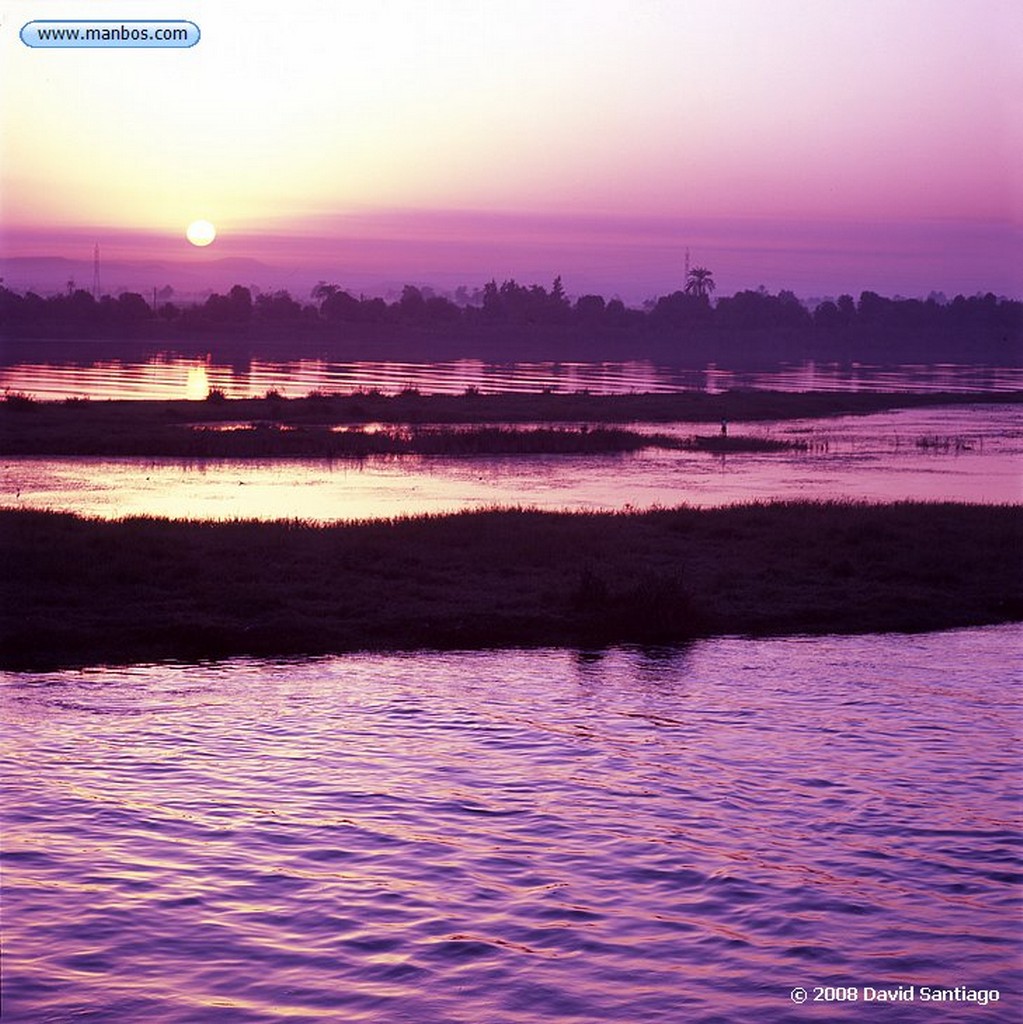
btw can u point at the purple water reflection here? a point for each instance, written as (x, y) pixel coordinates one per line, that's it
(169, 376)
(519, 836)
(969, 453)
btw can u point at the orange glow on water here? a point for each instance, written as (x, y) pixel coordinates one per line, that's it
(198, 387)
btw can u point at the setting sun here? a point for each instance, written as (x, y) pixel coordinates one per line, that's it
(201, 232)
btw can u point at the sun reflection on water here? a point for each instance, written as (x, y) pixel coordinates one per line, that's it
(198, 387)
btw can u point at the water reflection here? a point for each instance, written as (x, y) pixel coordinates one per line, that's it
(516, 836)
(876, 458)
(198, 386)
(171, 376)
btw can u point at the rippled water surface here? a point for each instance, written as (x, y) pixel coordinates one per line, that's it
(521, 836)
(171, 376)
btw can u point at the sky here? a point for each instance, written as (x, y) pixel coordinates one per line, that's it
(826, 147)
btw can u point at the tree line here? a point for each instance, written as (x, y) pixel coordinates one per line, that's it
(509, 303)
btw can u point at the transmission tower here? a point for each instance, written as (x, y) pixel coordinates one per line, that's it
(95, 272)
(687, 263)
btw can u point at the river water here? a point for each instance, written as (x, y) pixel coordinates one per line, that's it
(527, 836)
(520, 836)
(945, 453)
(25, 369)
(951, 453)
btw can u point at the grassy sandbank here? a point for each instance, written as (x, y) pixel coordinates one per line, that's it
(78, 591)
(276, 426)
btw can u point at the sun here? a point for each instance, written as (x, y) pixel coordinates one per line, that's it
(200, 232)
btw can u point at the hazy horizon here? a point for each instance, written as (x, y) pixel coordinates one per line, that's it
(631, 260)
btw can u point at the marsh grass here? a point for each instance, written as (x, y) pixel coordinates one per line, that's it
(734, 444)
(167, 427)
(78, 591)
(268, 439)
(935, 443)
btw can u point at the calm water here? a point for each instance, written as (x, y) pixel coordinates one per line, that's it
(170, 376)
(973, 454)
(519, 836)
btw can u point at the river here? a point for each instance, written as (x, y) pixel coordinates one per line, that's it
(699, 834)
(26, 369)
(951, 453)
(944, 453)
(520, 836)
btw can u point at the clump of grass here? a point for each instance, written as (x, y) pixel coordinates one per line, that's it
(19, 401)
(733, 444)
(944, 444)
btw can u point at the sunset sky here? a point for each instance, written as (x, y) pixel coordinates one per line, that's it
(827, 147)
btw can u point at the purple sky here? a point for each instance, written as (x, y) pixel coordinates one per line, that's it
(825, 148)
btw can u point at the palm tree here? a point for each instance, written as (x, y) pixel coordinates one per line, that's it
(700, 282)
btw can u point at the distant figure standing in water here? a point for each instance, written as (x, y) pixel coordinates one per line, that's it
(724, 428)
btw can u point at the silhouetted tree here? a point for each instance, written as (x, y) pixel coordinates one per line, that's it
(441, 310)
(912, 328)
(338, 306)
(82, 303)
(277, 306)
(827, 316)
(322, 291)
(700, 282)
(760, 309)
(373, 311)
(872, 308)
(493, 307)
(680, 309)
(233, 308)
(790, 312)
(559, 309)
(241, 304)
(130, 306)
(412, 304)
(589, 309)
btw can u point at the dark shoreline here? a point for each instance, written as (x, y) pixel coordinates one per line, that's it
(81, 592)
(274, 426)
(520, 324)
